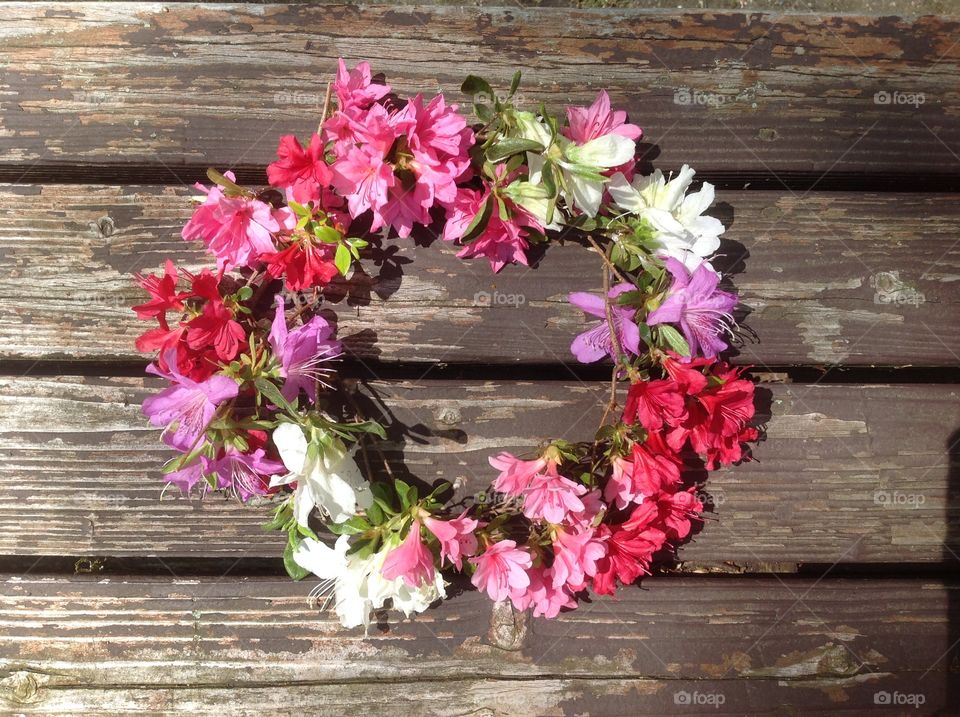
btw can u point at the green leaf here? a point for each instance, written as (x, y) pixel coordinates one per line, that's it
(383, 496)
(407, 493)
(299, 209)
(514, 83)
(294, 570)
(510, 146)
(483, 112)
(244, 293)
(674, 339)
(479, 222)
(356, 524)
(220, 180)
(474, 85)
(327, 234)
(366, 427)
(342, 259)
(268, 389)
(375, 514)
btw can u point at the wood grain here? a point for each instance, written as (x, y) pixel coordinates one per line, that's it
(829, 278)
(842, 476)
(168, 87)
(72, 646)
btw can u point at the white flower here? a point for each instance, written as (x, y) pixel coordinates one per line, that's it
(357, 586)
(581, 165)
(680, 230)
(327, 476)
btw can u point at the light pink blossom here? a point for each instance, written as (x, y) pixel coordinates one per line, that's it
(411, 560)
(542, 595)
(575, 557)
(550, 496)
(456, 537)
(502, 569)
(597, 120)
(515, 474)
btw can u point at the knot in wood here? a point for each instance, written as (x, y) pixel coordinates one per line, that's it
(450, 415)
(21, 687)
(508, 627)
(105, 226)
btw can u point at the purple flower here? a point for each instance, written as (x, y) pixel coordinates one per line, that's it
(301, 352)
(247, 473)
(701, 309)
(187, 477)
(187, 407)
(594, 344)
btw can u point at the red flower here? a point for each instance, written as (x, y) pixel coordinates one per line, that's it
(688, 376)
(719, 419)
(654, 403)
(304, 173)
(630, 549)
(676, 511)
(304, 264)
(216, 328)
(163, 293)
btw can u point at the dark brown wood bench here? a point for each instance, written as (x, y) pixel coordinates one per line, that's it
(825, 579)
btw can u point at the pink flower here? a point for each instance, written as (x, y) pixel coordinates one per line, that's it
(399, 164)
(546, 599)
(303, 174)
(588, 123)
(236, 230)
(411, 560)
(502, 241)
(575, 557)
(550, 496)
(515, 474)
(355, 88)
(501, 569)
(456, 537)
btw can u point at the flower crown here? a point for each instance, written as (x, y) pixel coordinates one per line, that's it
(252, 406)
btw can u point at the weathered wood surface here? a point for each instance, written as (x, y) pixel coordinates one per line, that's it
(847, 474)
(829, 278)
(114, 89)
(89, 646)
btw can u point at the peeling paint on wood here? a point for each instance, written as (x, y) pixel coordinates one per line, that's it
(819, 284)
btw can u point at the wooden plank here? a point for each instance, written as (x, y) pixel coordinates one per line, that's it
(154, 89)
(842, 477)
(71, 646)
(830, 278)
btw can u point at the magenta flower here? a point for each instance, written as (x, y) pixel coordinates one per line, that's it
(355, 88)
(502, 569)
(588, 123)
(594, 344)
(248, 474)
(411, 560)
(502, 241)
(187, 407)
(236, 230)
(398, 164)
(456, 537)
(515, 474)
(302, 352)
(550, 496)
(701, 309)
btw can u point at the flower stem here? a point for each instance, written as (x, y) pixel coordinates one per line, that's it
(326, 108)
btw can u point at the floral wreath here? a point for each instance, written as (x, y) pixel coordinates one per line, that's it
(250, 404)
